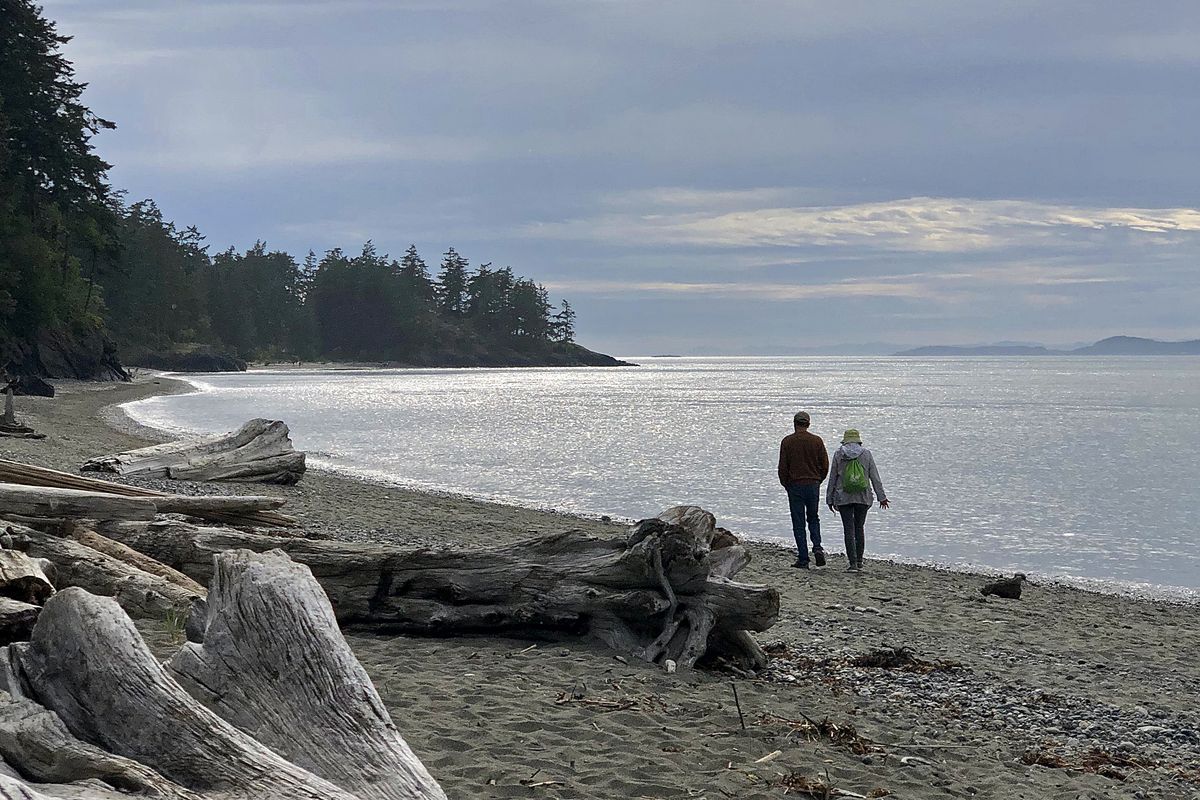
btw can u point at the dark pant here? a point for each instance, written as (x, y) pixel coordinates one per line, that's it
(854, 521)
(804, 499)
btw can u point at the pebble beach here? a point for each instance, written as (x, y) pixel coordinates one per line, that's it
(902, 681)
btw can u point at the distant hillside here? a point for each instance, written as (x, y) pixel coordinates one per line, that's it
(1112, 346)
(987, 350)
(1135, 346)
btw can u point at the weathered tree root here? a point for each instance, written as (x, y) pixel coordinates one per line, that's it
(659, 593)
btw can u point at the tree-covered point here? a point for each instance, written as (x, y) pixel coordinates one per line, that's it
(81, 269)
(164, 292)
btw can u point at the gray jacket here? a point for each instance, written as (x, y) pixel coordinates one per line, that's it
(834, 495)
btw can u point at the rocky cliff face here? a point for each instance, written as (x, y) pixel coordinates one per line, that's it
(62, 354)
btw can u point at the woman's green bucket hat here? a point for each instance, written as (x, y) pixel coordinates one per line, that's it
(851, 436)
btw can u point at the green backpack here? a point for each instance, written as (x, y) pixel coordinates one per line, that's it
(854, 478)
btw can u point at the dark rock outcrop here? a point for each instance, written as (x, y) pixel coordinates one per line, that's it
(87, 355)
(31, 386)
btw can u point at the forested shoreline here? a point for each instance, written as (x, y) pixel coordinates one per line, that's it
(88, 281)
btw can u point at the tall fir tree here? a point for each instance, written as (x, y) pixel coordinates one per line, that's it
(415, 275)
(55, 201)
(452, 284)
(563, 325)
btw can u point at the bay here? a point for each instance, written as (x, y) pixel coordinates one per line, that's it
(1076, 468)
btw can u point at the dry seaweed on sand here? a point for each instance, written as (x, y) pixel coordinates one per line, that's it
(623, 703)
(801, 784)
(903, 659)
(1099, 761)
(845, 734)
(1096, 761)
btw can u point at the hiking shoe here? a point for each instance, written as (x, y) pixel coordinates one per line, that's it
(800, 564)
(853, 568)
(819, 556)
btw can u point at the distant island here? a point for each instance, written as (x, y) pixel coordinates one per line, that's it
(1112, 346)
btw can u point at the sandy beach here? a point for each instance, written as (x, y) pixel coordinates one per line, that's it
(1101, 691)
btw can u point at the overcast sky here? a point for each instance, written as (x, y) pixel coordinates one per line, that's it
(695, 176)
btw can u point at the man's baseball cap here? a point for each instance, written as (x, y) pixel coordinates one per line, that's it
(801, 416)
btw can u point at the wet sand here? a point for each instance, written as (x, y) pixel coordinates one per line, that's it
(1060, 673)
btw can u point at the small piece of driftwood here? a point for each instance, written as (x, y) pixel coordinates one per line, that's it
(16, 619)
(23, 578)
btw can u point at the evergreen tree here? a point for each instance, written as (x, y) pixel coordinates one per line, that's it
(415, 275)
(54, 195)
(563, 327)
(452, 284)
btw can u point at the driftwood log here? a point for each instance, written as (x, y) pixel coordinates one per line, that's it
(46, 502)
(86, 710)
(29, 475)
(206, 505)
(139, 592)
(259, 452)
(658, 593)
(126, 554)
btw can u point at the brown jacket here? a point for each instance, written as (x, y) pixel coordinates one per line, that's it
(802, 459)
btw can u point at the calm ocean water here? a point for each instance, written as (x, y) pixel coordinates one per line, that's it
(1080, 468)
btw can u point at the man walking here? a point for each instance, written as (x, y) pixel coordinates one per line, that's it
(803, 465)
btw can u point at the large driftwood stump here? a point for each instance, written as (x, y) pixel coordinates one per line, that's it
(658, 593)
(85, 709)
(87, 663)
(321, 712)
(258, 452)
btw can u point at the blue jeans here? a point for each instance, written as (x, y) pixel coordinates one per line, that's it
(805, 503)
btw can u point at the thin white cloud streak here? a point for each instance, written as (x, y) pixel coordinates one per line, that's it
(917, 224)
(761, 291)
(946, 287)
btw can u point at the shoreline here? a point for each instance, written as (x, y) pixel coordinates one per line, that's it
(1060, 674)
(180, 383)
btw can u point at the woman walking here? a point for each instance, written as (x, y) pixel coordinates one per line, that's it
(851, 476)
